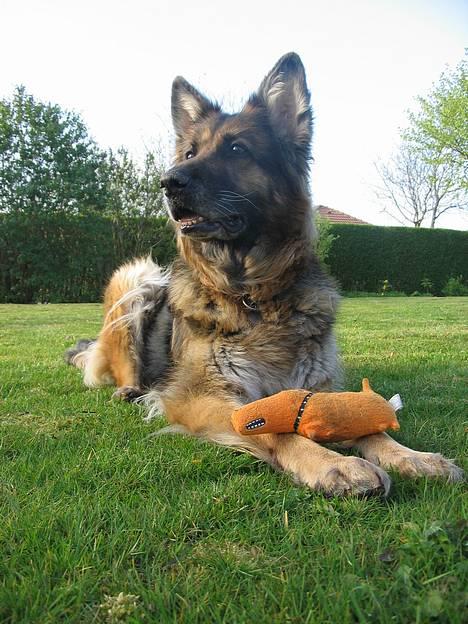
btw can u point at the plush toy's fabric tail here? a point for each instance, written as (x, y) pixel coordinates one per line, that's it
(396, 402)
(366, 385)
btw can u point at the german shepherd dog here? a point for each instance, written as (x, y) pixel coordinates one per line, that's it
(246, 310)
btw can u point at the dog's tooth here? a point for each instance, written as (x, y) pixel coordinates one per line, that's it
(187, 222)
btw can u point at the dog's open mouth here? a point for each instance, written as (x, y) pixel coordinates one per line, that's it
(194, 224)
(188, 219)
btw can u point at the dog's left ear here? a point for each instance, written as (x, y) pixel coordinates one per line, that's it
(188, 106)
(284, 93)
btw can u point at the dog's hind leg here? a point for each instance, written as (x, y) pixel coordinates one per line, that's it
(133, 303)
(106, 360)
(88, 356)
(309, 463)
(116, 345)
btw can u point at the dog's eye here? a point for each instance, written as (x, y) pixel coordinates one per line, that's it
(238, 149)
(189, 154)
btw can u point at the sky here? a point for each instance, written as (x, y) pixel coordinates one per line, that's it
(366, 62)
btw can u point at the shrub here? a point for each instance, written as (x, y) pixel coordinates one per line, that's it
(325, 238)
(427, 285)
(416, 293)
(455, 287)
(64, 257)
(69, 258)
(363, 256)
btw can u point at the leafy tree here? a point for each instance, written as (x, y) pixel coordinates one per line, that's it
(439, 129)
(122, 184)
(429, 174)
(48, 161)
(134, 190)
(134, 198)
(325, 238)
(152, 197)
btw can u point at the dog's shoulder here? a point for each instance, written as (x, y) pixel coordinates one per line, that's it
(315, 298)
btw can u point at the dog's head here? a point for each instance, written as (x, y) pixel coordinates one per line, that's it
(235, 175)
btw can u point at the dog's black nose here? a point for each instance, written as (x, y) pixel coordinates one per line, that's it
(174, 181)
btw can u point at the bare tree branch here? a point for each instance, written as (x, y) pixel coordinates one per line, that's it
(417, 188)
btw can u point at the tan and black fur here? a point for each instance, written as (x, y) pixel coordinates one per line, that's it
(246, 310)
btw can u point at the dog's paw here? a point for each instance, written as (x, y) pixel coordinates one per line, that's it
(411, 463)
(353, 476)
(127, 393)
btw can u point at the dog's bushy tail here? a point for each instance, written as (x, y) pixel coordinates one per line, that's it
(72, 355)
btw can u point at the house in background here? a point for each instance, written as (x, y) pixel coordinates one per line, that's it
(335, 216)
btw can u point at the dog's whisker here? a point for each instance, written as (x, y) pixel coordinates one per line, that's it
(241, 199)
(226, 210)
(231, 196)
(227, 192)
(233, 199)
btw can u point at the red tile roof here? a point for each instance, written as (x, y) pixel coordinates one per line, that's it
(335, 216)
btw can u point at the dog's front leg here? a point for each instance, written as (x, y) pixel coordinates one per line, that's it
(309, 463)
(384, 451)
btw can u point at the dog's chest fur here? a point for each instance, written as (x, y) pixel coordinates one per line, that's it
(287, 342)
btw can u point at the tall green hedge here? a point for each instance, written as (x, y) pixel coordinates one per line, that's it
(65, 258)
(362, 256)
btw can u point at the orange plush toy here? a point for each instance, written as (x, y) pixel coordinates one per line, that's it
(323, 416)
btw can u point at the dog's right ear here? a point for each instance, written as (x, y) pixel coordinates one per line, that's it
(188, 106)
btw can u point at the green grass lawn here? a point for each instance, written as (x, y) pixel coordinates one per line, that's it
(92, 507)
